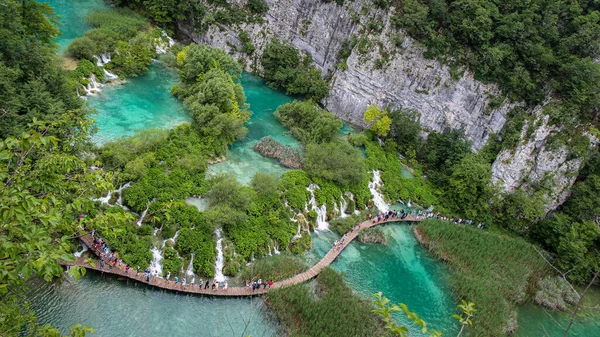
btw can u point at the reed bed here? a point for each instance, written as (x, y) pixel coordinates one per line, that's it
(496, 272)
(330, 308)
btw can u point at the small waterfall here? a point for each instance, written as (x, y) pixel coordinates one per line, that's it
(163, 43)
(351, 196)
(322, 224)
(105, 200)
(190, 268)
(270, 254)
(156, 263)
(84, 248)
(108, 76)
(171, 239)
(429, 209)
(219, 277)
(93, 87)
(408, 204)
(139, 222)
(102, 60)
(343, 207)
(275, 248)
(374, 187)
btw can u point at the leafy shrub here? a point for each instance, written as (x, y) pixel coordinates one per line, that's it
(276, 268)
(258, 6)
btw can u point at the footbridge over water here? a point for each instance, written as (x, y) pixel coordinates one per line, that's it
(232, 291)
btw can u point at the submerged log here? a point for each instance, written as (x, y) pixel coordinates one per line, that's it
(286, 155)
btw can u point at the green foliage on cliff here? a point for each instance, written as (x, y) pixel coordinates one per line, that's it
(494, 271)
(284, 67)
(336, 161)
(526, 47)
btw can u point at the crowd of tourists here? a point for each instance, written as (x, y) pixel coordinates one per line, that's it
(110, 259)
(255, 285)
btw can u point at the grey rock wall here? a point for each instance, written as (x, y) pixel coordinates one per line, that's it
(408, 80)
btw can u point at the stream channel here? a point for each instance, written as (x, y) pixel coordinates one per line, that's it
(403, 270)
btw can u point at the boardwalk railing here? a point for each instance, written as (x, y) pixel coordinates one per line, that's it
(233, 291)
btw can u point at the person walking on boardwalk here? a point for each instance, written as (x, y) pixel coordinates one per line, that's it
(168, 275)
(183, 282)
(200, 284)
(270, 283)
(224, 285)
(176, 279)
(101, 264)
(206, 286)
(127, 269)
(193, 281)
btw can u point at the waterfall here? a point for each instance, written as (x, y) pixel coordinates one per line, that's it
(84, 249)
(102, 60)
(108, 76)
(93, 87)
(351, 196)
(374, 187)
(429, 209)
(275, 249)
(139, 222)
(171, 239)
(156, 264)
(105, 200)
(322, 224)
(219, 277)
(408, 204)
(336, 210)
(163, 43)
(343, 207)
(190, 268)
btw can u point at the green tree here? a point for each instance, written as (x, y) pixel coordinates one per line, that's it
(378, 120)
(469, 188)
(336, 161)
(308, 122)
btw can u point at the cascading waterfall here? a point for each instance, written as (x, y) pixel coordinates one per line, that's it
(84, 248)
(374, 187)
(322, 224)
(343, 207)
(275, 248)
(108, 76)
(139, 222)
(429, 209)
(156, 263)
(163, 43)
(102, 60)
(105, 200)
(351, 196)
(219, 277)
(408, 204)
(190, 268)
(93, 87)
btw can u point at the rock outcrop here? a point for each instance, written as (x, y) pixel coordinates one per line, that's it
(444, 97)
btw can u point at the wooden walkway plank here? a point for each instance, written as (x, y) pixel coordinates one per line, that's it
(233, 291)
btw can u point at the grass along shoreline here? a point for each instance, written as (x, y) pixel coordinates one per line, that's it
(496, 272)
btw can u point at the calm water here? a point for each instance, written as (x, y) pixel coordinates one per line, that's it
(140, 103)
(402, 270)
(73, 15)
(243, 161)
(115, 307)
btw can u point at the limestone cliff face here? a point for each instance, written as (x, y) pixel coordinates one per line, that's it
(407, 80)
(531, 162)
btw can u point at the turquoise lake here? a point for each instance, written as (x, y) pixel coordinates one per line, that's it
(402, 270)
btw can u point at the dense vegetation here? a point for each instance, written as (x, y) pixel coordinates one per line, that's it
(32, 83)
(331, 309)
(491, 270)
(526, 47)
(45, 184)
(123, 35)
(284, 67)
(276, 268)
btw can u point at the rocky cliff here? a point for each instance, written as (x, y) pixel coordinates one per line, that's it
(445, 98)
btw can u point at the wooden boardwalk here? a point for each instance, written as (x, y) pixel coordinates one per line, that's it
(233, 291)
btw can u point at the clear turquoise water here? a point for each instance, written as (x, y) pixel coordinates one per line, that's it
(140, 103)
(73, 15)
(402, 270)
(243, 161)
(118, 308)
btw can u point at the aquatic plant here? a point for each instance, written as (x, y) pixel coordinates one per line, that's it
(496, 272)
(330, 308)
